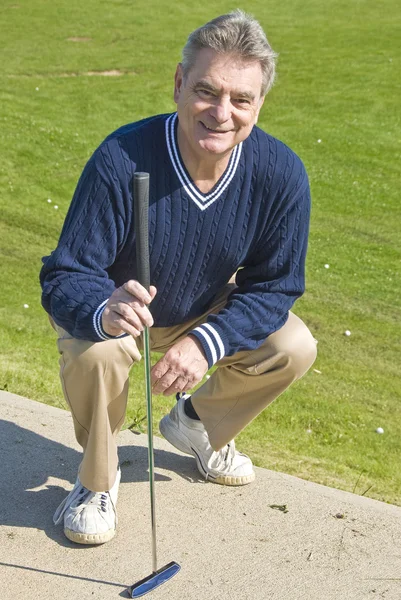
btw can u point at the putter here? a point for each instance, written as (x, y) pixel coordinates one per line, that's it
(141, 210)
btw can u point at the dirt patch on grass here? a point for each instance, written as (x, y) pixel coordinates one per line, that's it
(111, 73)
(105, 73)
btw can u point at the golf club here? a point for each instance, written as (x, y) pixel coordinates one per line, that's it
(141, 210)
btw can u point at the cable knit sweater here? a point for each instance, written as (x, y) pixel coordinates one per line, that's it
(255, 219)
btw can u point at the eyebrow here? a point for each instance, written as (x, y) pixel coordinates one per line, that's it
(207, 86)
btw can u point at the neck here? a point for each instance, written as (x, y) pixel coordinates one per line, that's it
(205, 171)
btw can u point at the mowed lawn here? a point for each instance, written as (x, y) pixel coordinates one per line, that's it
(73, 72)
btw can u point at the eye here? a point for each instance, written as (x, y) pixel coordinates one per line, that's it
(243, 101)
(205, 93)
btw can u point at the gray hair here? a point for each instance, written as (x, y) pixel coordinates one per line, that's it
(235, 33)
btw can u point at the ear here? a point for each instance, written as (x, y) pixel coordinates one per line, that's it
(178, 81)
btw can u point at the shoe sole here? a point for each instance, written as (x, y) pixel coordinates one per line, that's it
(182, 443)
(89, 538)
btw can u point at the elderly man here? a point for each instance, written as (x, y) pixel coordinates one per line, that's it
(225, 197)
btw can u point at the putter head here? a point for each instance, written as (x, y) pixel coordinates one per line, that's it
(154, 580)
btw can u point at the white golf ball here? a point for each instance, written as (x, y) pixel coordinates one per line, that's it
(26, 305)
(55, 206)
(380, 430)
(327, 266)
(319, 141)
(49, 200)
(347, 333)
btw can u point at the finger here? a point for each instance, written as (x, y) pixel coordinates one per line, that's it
(144, 315)
(134, 312)
(181, 384)
(134, 288)
(117, 321)
(121, 295)
(157, 371)
(135, 304)
(125, 312)
(165, 382)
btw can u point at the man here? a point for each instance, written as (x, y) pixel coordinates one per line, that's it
(225, 198)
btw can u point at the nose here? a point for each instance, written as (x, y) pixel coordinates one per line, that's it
(221, 110)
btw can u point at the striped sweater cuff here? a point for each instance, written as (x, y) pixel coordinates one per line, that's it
(97, 324)
(211, 342)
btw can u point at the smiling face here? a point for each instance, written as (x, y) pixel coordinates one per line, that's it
(218, 103)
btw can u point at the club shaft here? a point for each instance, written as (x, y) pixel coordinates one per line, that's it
(141, 209)
(146, 345)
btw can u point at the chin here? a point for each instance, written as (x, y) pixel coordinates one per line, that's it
(215, 147)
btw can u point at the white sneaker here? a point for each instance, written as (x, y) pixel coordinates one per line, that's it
(227, 466)
(89, 517)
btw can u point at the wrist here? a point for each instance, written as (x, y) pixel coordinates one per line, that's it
(100, 325)
(199, 346)
(210, 340)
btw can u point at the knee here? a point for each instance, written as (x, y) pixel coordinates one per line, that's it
(99, 355)
(301, 351)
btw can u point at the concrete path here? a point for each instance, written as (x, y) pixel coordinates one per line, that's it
(231, 544)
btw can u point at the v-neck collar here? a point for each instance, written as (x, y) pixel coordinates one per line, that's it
(200, 199)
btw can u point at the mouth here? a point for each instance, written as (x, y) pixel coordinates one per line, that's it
(211, 130)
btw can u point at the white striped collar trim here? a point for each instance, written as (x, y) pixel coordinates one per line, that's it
(201, 200)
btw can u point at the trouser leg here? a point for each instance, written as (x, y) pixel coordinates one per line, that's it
(94, 378)
(95, 383)
(245, 383)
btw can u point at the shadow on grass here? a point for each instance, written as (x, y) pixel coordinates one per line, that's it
(29, 459)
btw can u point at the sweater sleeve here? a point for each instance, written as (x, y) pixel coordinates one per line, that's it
(271, 279)
(74, 278)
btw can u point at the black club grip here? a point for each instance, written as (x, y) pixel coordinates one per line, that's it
(141, 212)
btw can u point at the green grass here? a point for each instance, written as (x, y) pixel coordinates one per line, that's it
(338, 81)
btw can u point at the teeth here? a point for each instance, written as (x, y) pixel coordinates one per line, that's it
(215, 130)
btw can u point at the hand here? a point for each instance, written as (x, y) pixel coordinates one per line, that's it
(126, 310)
(181, 368)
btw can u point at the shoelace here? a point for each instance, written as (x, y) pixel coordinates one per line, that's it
(84, 498)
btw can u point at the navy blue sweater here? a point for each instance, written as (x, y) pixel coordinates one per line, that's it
(256, 217)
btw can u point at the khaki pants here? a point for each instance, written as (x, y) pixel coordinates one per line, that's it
(94, 377)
